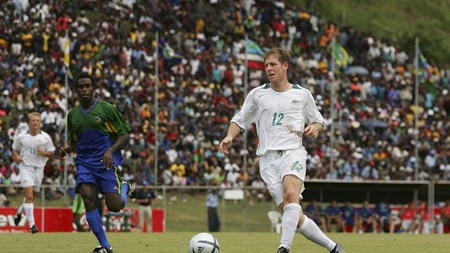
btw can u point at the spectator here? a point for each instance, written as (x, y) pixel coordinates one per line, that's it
(422, 222)
(314, 211)
(16, 179)
(333, 215)
(5, 102)
(407, 216)
(383, 215)
(349, 216)
(233, 177)
(365, 219)
(9, 185)
(224, 186)
(4, 201)
(258, 188)
(445, 212)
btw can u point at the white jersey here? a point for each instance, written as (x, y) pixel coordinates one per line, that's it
(27, 144)
(280, 117)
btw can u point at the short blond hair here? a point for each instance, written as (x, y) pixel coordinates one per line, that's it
(31, 114)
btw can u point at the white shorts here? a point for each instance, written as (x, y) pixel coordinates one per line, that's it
(275, 165)
(31, 176)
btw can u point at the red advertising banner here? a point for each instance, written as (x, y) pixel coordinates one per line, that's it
(47, 220)
(52, 219)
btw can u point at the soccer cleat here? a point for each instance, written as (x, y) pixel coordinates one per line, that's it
(131, 190)
(337, 249)
(34, 229)
(101, 249)
(17, 219)
(282, 250)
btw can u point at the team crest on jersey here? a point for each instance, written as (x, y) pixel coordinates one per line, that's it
(98, 119)
(295, 102)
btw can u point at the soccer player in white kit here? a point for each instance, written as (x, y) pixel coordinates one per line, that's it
(283, 113)
(31, 150)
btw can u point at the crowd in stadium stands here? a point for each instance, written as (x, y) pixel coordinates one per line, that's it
(370, 131)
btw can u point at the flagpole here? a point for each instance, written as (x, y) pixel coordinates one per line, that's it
(245, 95)
(245, 158)
(416, 112)
(66, 85)
(156, 108)
(332, 105)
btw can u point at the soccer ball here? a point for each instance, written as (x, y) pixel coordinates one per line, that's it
(203, 243)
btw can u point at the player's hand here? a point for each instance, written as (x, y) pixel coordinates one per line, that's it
(108, 160)
(225, 144)
(64, 151)
(313, 130)
(18, 159)
(40, 151)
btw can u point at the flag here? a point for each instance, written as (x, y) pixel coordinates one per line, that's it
(67, 55)
(169, 55)
(340, 55)
(254, 54)
(423, 61)
(422, 66)
(67, 51)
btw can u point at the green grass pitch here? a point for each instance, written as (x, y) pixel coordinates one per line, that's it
(230, 242)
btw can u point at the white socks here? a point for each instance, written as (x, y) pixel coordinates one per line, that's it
(29, 211)
(312, 232)
(289, 221)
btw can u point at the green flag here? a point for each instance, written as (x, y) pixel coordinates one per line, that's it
(340, 55)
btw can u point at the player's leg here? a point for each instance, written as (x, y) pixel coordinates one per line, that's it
(115, 189)
(295, 176)
(291, 209)
(31, 184)
(28, 205)
(88, 192)
(26, 181)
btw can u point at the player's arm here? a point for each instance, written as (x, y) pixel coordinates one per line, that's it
(44, 152)
(16, 156)
(121, 141)
(233, 131)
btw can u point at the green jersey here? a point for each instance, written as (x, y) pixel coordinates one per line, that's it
(95, 130)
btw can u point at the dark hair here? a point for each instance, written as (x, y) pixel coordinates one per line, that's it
(85, 75)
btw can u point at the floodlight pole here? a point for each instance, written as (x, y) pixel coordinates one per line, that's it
(332, 106)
